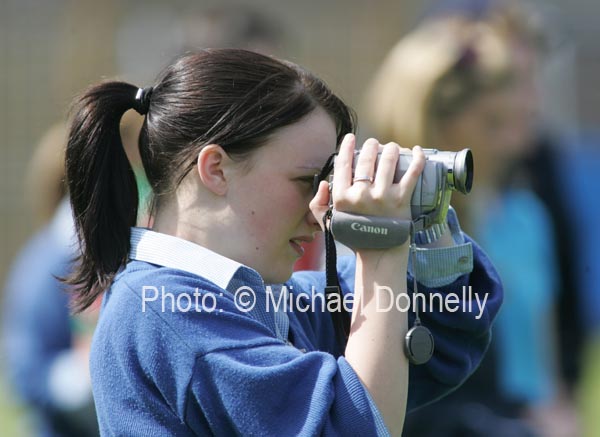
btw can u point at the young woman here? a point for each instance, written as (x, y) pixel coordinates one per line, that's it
(189, 341)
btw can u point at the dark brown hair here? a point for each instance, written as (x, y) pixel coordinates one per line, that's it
(231, 97)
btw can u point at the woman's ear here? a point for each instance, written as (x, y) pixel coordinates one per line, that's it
(212, 161)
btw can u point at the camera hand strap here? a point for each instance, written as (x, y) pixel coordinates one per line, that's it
(418, 342)
(368, 232)
(340, 318)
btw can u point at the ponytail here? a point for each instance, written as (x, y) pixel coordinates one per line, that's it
(102, 188)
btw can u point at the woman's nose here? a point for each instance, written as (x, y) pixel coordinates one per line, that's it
(312, 221)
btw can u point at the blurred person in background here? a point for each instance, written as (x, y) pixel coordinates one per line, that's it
(231, 26)
(457, 82)
(559, 166)
(556, 164)
(46, 349)
(543, 169)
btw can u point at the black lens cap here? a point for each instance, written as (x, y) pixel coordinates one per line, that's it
(418, 345)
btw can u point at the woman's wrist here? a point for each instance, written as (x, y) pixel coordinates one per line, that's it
(373, 259)
(383, 268)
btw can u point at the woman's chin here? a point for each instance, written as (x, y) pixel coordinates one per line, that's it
(278, 276)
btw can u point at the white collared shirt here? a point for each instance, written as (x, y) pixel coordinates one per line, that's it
(176, 253)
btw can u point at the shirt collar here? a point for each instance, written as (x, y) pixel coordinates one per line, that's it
(177, 253)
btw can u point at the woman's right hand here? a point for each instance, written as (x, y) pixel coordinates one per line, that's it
(371, 191)
(375, 345)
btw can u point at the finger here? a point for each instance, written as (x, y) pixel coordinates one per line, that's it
(342, 166)
(365, 164)
(409, 179)
(381, 147)
(386, 168)
(320, 203)
(321, 198)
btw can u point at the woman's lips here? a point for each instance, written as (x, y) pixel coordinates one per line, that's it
(297, 247)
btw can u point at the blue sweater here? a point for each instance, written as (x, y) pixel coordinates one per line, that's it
(222, 372)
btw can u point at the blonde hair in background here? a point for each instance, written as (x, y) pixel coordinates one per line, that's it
(45, 177)
(433, 72)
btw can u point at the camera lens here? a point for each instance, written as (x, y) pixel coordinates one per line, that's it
(463, 171)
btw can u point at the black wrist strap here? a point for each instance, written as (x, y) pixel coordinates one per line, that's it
(340, 318)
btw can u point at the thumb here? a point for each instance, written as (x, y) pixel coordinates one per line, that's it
(320, 203)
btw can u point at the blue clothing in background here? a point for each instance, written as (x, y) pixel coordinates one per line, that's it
(37, 333)
(517, 235)
(31, 341)
(580, 181)
(225, 371)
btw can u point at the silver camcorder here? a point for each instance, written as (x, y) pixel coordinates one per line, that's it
(444, 172)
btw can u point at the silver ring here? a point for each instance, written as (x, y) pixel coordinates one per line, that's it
(363, 179)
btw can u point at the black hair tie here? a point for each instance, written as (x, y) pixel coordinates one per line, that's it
(142, 100)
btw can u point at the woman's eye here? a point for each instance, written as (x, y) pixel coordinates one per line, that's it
(307, 179)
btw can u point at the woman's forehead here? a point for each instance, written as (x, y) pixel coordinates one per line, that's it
(305, 144)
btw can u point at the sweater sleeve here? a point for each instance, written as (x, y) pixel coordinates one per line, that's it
(277, 390)
(461, 337)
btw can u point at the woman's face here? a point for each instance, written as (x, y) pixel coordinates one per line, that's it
(269, 202)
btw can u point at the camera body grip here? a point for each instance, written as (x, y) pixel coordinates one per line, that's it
(368, 232)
